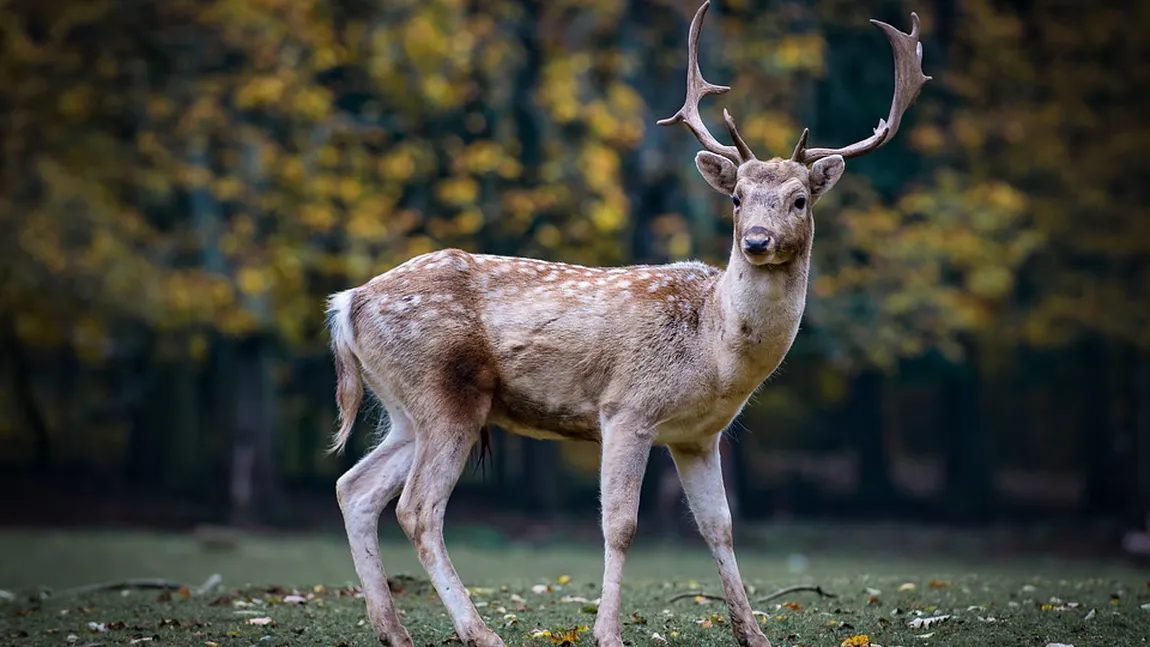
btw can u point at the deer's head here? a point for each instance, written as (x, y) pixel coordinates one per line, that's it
(773, 199)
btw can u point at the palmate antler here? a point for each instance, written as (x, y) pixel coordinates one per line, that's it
(697, 88)
(908, 80)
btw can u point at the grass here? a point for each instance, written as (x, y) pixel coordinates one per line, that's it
(1032, 600)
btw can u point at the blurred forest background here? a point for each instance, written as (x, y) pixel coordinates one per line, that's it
(184, 182)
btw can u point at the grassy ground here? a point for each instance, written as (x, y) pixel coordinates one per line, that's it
(524, 591)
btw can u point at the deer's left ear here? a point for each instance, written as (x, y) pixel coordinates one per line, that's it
(718, 171)
(824, 174)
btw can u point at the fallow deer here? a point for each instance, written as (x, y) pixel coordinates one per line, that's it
(628, 357)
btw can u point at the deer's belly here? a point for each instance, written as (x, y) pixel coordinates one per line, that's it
(522, 414)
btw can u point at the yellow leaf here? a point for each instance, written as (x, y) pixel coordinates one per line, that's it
(251, 280)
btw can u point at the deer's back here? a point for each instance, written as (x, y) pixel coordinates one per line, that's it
(554, 345)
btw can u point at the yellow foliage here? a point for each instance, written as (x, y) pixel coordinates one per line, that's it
(458, 191)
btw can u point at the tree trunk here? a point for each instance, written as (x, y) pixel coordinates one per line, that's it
(867, 429)
(182, 431)
(1141, 400)
(255, 487)
(1100, 438)
(969, 468)
(26, 396)
(541, 476)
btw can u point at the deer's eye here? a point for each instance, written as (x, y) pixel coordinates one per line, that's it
(801, 202)
(735, 199)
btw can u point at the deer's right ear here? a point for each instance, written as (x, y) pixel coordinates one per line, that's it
(718, 171)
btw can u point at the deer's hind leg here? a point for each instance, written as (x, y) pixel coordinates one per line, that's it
(450, 422)
(363, 492)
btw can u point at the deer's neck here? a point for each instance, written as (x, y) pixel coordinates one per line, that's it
(757, 314)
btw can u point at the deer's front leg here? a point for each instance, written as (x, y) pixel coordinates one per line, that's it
(701, 473)
(626, 445)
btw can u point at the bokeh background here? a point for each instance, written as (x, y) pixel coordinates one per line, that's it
(184, 182)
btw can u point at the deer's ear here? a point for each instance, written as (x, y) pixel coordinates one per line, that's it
(824, 174)
(718, 171)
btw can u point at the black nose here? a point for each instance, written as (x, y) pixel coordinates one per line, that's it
(758, 243)
(758, 246)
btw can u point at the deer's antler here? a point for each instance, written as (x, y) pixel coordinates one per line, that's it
(697, 88)
(908, 81)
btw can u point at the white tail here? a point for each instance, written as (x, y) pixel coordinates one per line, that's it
(349, 394)
(628, 357)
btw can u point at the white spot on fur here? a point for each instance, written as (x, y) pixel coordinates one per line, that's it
(654, 287)
(584, 284)
(644, 275)
(625, 294)
(551, 277)
(624, 284)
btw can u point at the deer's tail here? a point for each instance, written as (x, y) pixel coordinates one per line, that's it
(349, 380)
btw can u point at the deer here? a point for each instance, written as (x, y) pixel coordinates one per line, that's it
(632, 357)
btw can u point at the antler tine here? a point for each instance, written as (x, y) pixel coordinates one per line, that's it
(697, 88)
(908, 80)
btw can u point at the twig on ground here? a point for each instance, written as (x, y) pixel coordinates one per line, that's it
(144, 583)
(776, 594)
(795, 589)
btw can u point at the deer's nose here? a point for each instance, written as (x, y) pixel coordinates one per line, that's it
(758, 241)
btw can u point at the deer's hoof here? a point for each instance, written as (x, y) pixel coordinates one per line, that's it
(486, 638)
(753, 639)
(397, 637)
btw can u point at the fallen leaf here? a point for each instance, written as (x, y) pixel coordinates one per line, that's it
(927, 623)
(564, 579)
(861, 640)
(939, 584)
(184, 592)
(909, 586)
(1089, 616)
(97, 626)
(294, 599)
(1058, 645)
(260, 621)
(657, 638)
(925, 635)
(793, 606)
(539, 589)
